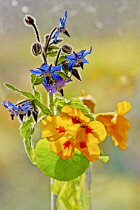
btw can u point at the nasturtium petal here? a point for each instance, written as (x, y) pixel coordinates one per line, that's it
(98, 130)
(53, 166)
(53, 127)
(74, 113)
(123, 107)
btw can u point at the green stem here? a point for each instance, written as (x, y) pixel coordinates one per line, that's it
(51, 105)
(82, 178)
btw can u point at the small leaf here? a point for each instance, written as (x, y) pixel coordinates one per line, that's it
(59, 103)
(52, 48)
(53, 166)
(52, 54)
(61, 59)
(78, 104)
(11, 87)
(27, 130)
(39, 80)
(27, 94)
(102, 152)
(105, 159)
(35, 80)
(63, 75)
(43, 108)
(37, 95)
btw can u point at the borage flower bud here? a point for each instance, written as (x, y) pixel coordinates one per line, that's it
(66, 49)
(36, 48)
(29, 20)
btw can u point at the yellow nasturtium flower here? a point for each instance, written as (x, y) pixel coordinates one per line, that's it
(116, 124)
(73, 130)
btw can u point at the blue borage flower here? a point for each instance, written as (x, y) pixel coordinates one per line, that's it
(58, 86)
(77, 59)
(48, 71)
(61, 28)
(21, 109)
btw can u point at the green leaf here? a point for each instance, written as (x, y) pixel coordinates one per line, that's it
(52, 54)
(60, 101)
(37, 95)
(26, 94)
(35, 80)
(63, 75)
(78, 104)
(27, 130)
(52, 48)
(53, 166)
(105, 159)
(102, 152)
(61, 59)
(43, 108)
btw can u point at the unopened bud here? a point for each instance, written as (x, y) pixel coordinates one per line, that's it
(36, 48)
(46, 37)
(29, 20)
(66, 49)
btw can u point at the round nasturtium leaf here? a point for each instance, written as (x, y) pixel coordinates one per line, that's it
(54, 166)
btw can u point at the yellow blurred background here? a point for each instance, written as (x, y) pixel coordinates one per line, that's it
(112, 75)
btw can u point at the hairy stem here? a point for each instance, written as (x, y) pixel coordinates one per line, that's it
(58, 54)
(48, 41)
(39, 40)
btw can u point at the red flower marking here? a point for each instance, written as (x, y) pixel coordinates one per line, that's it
(67, 144)
(88, 130)
(82, 145)
(60, 129)
(75, 120)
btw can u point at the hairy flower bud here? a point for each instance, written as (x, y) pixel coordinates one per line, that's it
(46, 37)
(29, 20)
(66, 49)
(36, 48)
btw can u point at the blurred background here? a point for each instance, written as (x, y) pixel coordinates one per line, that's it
(112, 75)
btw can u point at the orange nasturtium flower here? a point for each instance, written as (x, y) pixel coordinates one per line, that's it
(88, 100)
(73, 130)
(116, 124)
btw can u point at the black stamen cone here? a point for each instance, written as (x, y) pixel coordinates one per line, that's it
(12, 116)
(35, 115)
(66, 33)
(62, 92)
(82, 65)
(21, 117)
(75, 73)
(29, 113)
